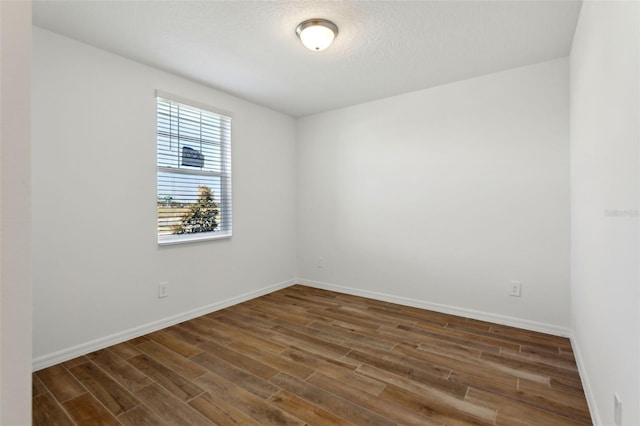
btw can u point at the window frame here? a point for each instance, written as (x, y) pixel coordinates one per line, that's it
(225, 201)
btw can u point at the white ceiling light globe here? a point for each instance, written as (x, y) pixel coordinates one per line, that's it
(316, 37)
(317, 34)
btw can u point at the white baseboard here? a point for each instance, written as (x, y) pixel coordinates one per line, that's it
(103, 342)
(447, 309)
(586, 386)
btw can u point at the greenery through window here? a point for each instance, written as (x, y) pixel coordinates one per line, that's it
(194, 172)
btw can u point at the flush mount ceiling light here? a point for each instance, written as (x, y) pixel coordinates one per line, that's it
(317, 34)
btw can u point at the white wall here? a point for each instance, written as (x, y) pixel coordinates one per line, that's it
(444, 196)
(605, 168)
(96, 264)
(15, 214)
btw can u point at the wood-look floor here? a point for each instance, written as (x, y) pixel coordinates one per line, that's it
(307, 356)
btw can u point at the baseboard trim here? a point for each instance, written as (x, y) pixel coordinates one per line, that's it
(586, 386)
(103, 342)
(447, 309)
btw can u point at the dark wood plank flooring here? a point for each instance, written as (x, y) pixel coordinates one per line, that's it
(307, 356)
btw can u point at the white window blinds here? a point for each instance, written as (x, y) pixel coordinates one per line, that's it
(194, 173)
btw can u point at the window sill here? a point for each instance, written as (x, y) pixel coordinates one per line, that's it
(167, 240)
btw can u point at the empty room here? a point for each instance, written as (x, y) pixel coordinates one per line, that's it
(320, 212)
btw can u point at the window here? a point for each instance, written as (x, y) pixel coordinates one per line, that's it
(194, 173)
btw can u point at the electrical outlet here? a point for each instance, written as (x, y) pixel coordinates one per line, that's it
(515, 288)
(320, 262)
(163, 290)
(617, 410)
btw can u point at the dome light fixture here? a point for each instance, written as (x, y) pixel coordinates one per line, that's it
(317, 34)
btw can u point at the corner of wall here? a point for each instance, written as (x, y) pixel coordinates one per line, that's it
(584, 377)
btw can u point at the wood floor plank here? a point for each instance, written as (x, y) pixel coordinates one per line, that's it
(306, 340)
(241, 361)
(313, 301)
(431, 316)
(306, 356)
(192, 338)
(442, 347)
(245, 313)
(376, 316)
(475, 366)
(37, 387)
(516, 413)
(48, 412)
(139, 340)
(531, 336)
(443, 401)
(319, 362)
(224, 334)
(351, 338)
(471, 366)
(528, 369)
(293, 315)
(275, 361)
(248, 324)
(250, 404)
(86, 410)
(140, 416)
(181, 365)
(412, 369)
(325, 336)
(106, 390)
(566, 351)
(551, 355)
(394, 412)
(354, 380)
(240, 377)
(257, 341)
(415, 334)
(337, 314)
(403, 315)
(119, 369)
(496, 383)
(304, 301)
(465, 334)
(168, 407)
(567, 385)
(400, 361)
(401, 335)
(179, 386)
(507, 340)
(175, 343)
(210, 329)
(325, 294)
(352, 300)
(62, 385)
(546, 398)
(125, 350)
(435, 410)
(221, 412)
(306, 411)
(330, 401)
(553, 361)
(75, 361)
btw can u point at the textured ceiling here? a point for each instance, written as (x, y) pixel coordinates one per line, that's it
(384, 48)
